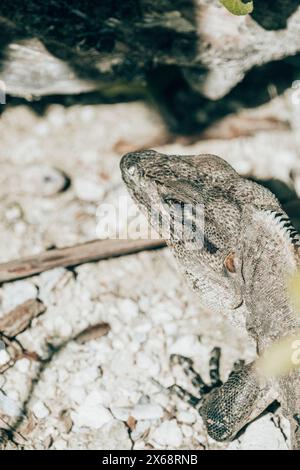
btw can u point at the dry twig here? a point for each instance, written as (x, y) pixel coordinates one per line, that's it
(74, 255)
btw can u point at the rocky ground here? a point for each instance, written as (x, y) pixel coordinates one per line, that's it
(109, 392)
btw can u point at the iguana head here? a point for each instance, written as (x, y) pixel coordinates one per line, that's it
(209, 250)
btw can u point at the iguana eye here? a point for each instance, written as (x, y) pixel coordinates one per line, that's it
(229, 263)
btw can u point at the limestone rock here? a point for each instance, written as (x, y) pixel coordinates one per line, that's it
(116, 51)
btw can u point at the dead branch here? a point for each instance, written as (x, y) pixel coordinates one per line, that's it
(19, 319)
(93, 332)
(72, 256)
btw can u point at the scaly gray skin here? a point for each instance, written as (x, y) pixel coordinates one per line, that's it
(241, 270)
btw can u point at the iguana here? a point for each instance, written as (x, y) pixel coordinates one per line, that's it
(238, 261)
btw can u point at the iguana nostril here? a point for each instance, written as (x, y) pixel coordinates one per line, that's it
(131, 170)
(130, 165)
(135, 171)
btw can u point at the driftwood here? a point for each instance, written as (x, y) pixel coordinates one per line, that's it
(12, 324)
(18, 320)
(71, 57)
(93, 332)
(71, 256)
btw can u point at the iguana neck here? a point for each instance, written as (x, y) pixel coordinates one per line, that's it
(270, 259)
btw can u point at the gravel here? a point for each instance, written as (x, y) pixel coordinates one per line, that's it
(86, 395)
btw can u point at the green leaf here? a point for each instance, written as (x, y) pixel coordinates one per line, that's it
(237, 7)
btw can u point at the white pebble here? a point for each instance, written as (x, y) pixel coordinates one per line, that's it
(49, 279)
(147, 411)
(40, 410)
(41, 129)
(262, 434)
(4, 357)
(121, 413)
(159, 316)
(188, 345)
(42, 180)
(100, 397)
(16, 293)
(85, 376)
(20, 227)
(89, 156)
(142, 326)
(187, 431)
(186, 417)
(168, 434)
(122, 363)
(62, 327)
(144, 304)
(60, 444)
(170, 328)
(147, 364)
(128, 308)
(91, 416)
(57, 116)
(141, 428)
(87, 113)
(8, 406)
(77, 394)
(13, 212)
(143, 361)
(88, 190)
(23, 365)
